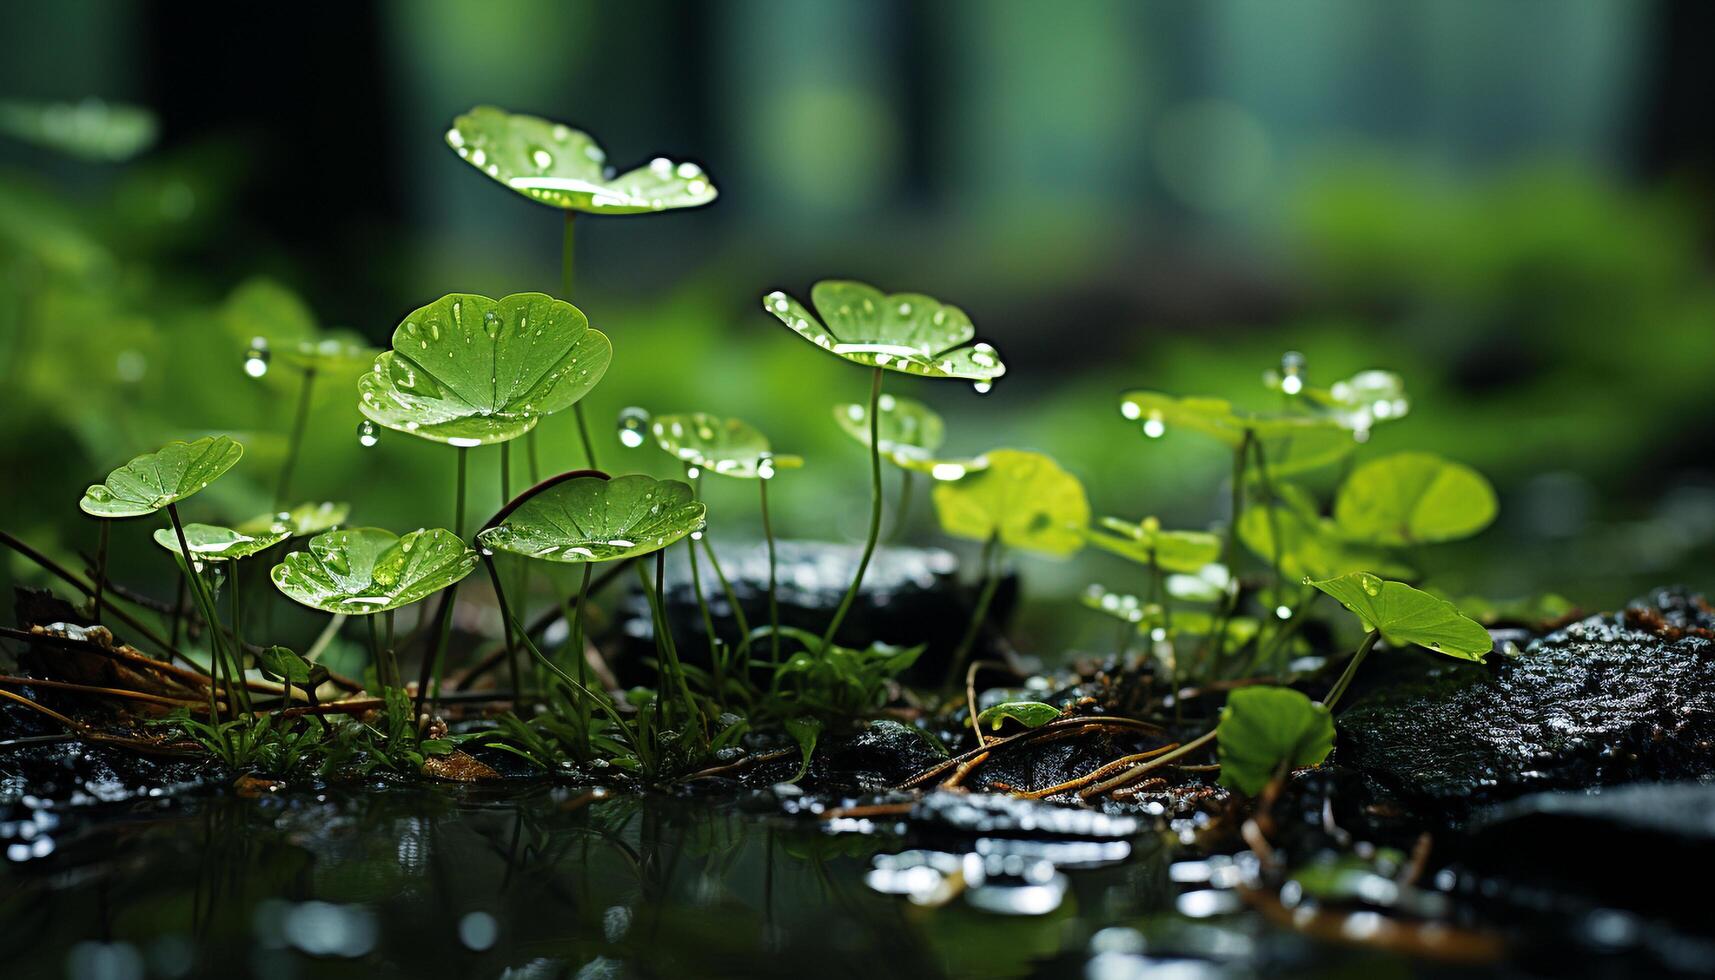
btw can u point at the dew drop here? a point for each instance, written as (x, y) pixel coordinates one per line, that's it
(368, 433)
(1154, 427)
(983, 387)
(542, 158)
(257, 357)
(633, 423)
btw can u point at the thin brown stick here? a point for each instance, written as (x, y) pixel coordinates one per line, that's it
(1059, 728)
(88, 734)
(748, 760)
(1134, 772)
(959, 774)
(1099, 772)
(869, 810)
(106, 692)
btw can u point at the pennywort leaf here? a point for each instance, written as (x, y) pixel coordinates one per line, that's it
(1030, 714)
(209, 542)
(166, 476)
(724, 446)
(1263, 729)
(906, 332)
(1024, 498)
(592, 519)
(363, 570)
(309, 518)
(1175, 551)
(1411, 498)
(1406, 615)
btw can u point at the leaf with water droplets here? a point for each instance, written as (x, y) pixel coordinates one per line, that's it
(1356, 403)
(1291, 443)
(1174, 551)
(557, 165)
(166, 476)
(209, 542)
(283, 664)
(310, 518)
(906, 332)
(468, 370)
(1024, 498)
(1413, 498)
(1030, 714)
(726, 446)
(91, 129)
(909, 433)
(1406, 615)
(1263, 729)
(589, 519)
(363, 570)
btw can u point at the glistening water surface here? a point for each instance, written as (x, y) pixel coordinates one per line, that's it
(420, 882)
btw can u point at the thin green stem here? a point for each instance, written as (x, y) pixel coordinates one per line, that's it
(393, 678)
(1345, 681)
(429, 676)
(101, 565)
(902, 514)
(667, 653)
(773, 597)
(505, 473)
(568, 280)
(458, 505)
(1268, 503)
(731, 596)
(874, 510)
(204, 603)
(243, 692)
(534, 461)
(979, 615)
(295, 441)
(708, 616)
(375, 650)
(1216, 653)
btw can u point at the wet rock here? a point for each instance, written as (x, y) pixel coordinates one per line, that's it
(1608, 700)
(885, 753)
(909, 596)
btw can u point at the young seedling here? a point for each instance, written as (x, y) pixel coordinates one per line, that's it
(1401, 614)
(366, 571)
(1024, 501)
(910, 435)
(906, 332)
(469, 371)
(728, 447)
(553, 164)
(280, 328)
(585, 518)
(1160, 551)
(1265, 732)
(209, 543)
(157, 480)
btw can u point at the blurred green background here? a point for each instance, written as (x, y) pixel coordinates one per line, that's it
(1508, 204)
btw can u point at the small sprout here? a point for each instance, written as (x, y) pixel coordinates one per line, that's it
(1402, 614)
(1174, 551)
(1413, 498)
(363, 570)
(304, 519)
(284, 665)
(722, 446)
(1023, 499)
(805, 731)
(1266, 729)
(468, 371)
(592, 519)
(562, 167)
(91, 129)
(1030, 714)
(905, 332)
(155, 480)
(211, 543)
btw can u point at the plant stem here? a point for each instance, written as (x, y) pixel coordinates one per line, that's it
(1351, 670)
(979, 615)
(1273, 527)
(901, 515)
(578, 652)
(874, 510)
(535, 463)
(238, 637)
(375, 651)
(667, 653)
(393, 678)
(773, 598)
(731, 596)
(430, 673)
(300, 422)
(708, 617)
(505, 473)
(1138, 770)
(568, 279)
(1217, 652)
(458, 506)
(101, 566)
(204, 603)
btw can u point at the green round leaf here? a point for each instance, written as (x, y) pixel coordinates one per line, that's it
(1024, 498)
(1412, 498)
(1030, 714)
(209, 542)
(363, 570)
(557, 165)
(310, 518)
(1175, 551)
(905, 332)
(468, 370)
(1263, 728)
(1406, 615)
(589, 519)
(728, 447)
(91, 129)
(282, 664)
(166, 476)
(1214, 417)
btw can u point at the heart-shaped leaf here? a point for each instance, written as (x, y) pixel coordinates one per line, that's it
(166, 476)
(557, 165)
(1412, 498)
(1175, 551)
(310, 518)
(209, 542)
(91, 129)
(1023, 498)
(589, 519)
(468, 370)
(905, 332)
(1264, 728)
(283, 664)
(728, 447)
(1214, 417)
(363, 570)
(1406, 615)
(1030, 714)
